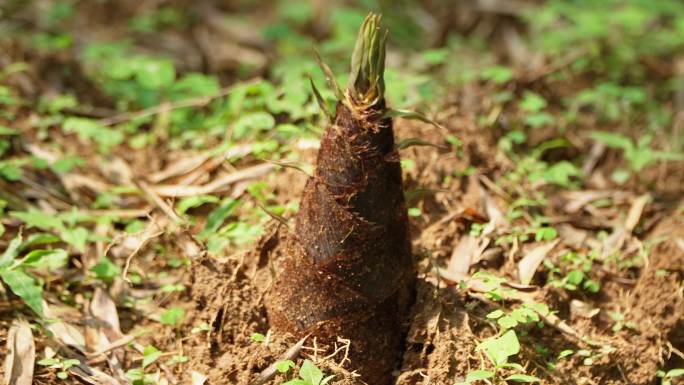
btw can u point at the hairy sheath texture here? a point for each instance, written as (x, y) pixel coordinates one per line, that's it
(349, 270)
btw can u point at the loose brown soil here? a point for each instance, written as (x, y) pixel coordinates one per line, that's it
(446, 323)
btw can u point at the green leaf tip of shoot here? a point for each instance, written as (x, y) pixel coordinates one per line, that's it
(366, 87)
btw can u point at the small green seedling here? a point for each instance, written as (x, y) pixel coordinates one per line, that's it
(638, 154)
(172, 317)
(309, 374)
(562, 355)
(545, 233)
(495, 289)
(178, 359)
(203, 327)
(476, 229)
(572, 273)
(620, 321)
(534, 106)
(526, 314)
(137, 375)
(284, 366)
(575, 279)
(499, 350)
(589, 357)
(257, 337)
(62, 365)
(105, 270)
(666, 377)
(16, 273)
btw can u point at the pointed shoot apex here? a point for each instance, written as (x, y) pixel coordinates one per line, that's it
(366, 87)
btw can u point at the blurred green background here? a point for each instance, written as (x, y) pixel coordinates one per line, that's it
(553, 59)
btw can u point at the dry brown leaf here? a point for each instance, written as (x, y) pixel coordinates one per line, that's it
(50, 155)
(217, 185)
(159, 202)
(21, 354)
(614, 242)
(143, 238)
(578, 199)
(635, 212)
(529, 264)
(454, 278)
(680, 243)
(201, 174)
(63, 332)
(198, 378)
(125, 340)
(73, 182)
(92, 375)
(596, 152)
(496, 216)
(582, 309)
(179, 167)
(191, 248)
(572, 236)
(103, 309)
(462, 255)
(116, 170)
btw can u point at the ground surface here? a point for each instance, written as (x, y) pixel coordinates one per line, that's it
(155, 153)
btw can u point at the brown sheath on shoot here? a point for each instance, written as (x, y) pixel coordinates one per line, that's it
(349, 270)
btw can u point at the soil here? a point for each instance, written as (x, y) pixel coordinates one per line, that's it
(447, 323)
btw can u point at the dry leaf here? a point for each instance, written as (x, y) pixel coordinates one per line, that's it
(103, 308)
(179, 167)
(462, 255)
(496, 216)
(65, 333)
(578, 199)
(191, 248)
(635, 212)
(455, 278)
(680, 243)
(216, 185)
(614, 242)
(116, 170)
(105, 327)
(572, 236)
(529, 264)
(582, 309)
(92, 375)
(21, 354)
(596, 152)
(197, 378)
